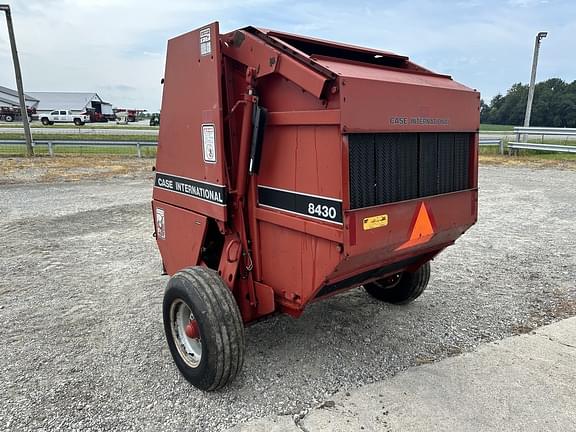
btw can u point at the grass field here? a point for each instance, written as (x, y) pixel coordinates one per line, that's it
(529, 154)
(79, 137)
(42, 149)
(533, 154)
(495, 127)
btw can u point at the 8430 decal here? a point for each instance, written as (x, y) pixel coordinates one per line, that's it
(312, 206)
(323, 211)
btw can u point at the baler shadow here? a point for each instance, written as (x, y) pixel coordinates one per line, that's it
(329, 340)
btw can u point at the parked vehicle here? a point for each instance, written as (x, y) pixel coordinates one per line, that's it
(125, 116)
(64, 116)
(155, 120)
(96, 117)
(10, 114)
(122, 117)
(102, 113)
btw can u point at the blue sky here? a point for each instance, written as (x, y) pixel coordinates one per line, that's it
(117, 47)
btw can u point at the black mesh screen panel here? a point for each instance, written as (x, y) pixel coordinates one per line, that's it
(392, 167)
(407, 179)
(446, 162)
(428, 164)
(362, 170)
(461, 161)
(385, 157)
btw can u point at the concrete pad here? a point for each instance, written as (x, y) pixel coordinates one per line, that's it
(523, 383)
(268, 424)
(559, 332)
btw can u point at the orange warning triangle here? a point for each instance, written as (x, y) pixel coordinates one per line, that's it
(422, 230)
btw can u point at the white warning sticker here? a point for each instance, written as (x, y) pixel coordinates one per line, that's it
(160, 224)
(205, 42)
(209, 143)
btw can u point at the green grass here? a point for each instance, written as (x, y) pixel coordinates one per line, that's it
(535, 154)
(41, 149)
(495, 127)
(559, 141)
(550, 156)
(78, 137)
(490, 150)
(532, 154)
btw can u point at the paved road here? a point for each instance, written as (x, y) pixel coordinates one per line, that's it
(81, 130)
(100, 125)
(522, 383)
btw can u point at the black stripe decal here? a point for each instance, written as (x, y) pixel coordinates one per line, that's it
(327, 209)
(205, 191)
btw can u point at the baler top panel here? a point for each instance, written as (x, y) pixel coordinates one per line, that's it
(381, 91)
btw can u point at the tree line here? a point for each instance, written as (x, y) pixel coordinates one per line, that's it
(554, 105)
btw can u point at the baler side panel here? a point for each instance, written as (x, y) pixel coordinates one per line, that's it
(395, 246)
(295, 263)
(191, 123)
(179, 235)
(449, 215)
(303, 159)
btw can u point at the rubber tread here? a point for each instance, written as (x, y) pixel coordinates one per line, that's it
(225, 345)
(408, 289)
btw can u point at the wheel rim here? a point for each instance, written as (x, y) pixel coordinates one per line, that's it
(186, 333)
(390, 281)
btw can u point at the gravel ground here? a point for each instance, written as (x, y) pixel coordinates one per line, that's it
(80, 309)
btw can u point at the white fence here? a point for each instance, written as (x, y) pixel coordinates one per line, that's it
(526, 132)
(123, 147)
(80, 146)
(486, 142)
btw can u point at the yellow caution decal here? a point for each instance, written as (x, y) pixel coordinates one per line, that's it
(375, 222)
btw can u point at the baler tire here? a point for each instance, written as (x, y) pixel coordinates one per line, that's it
(219, 323)
(410, 286)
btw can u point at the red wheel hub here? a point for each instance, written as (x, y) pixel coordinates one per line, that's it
(192, 330)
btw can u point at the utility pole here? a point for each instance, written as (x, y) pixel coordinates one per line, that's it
(18, 73)
(539, 37)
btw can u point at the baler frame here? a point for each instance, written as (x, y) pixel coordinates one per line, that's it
(303, 106)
